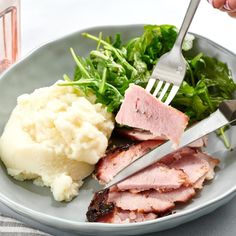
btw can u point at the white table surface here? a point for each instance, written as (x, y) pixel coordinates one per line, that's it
(45, 20)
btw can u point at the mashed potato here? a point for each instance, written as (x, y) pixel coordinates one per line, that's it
(55, 136)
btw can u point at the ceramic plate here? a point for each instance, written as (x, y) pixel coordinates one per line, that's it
(45, 66)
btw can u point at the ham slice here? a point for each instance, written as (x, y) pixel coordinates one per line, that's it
(100, 210)
(156, 190)
(142, 110)
(138, 134)
(193, 166)
(197, 165)
(201, 142)
(125, 207)
(150, 201)
(117, 159)
(158, 177)
(186, 167)
(119, 216)
(213, 162)
(174, 156)
(143, 135)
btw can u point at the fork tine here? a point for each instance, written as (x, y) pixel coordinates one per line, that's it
(172, 93)
(159, 85)
(163, 92)
(150, 84)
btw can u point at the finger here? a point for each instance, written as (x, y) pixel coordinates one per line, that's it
(231, 4)
(232, 14)
(218, 3)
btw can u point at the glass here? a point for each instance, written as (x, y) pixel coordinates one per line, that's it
(9, 32)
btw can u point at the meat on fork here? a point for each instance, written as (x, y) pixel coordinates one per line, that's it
(142, 110)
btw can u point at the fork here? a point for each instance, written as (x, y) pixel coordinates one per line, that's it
(171, 67)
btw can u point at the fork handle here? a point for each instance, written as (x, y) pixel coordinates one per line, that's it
(193, 5)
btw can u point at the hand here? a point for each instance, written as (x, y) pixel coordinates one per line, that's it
(228, 6)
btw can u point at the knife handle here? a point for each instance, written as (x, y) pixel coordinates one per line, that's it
(228, 108)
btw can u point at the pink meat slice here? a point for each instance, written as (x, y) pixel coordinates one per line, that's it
(120, 216)
(201, 142)
(177, 155)
(150, 201)
(131, 205)
(139, 135)
(100, 210)
(197, 165)
(194, 166)
(142, 110)
(143, 135)
(213, 162)
(199, 183)
(158, 177)
(116, 160)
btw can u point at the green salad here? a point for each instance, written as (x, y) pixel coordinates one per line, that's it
(113, 65)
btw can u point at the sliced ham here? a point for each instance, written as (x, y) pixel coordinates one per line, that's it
(193, 166)
(141, 202)
(119, 216)
(143, 135)
(174, 156)
(155, 191)
(116, 160)
(126, 207)
(158, 177)
(201, 142)
(150, 201)
(199, 183)
(138, 134)
(100, 210)
(197, 165)
(142, 110)
(213, 162)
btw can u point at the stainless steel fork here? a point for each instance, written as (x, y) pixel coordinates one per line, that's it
(170, 70)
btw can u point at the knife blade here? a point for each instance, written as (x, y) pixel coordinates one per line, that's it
(226, 114)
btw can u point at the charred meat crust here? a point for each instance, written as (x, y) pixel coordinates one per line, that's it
(99, 207)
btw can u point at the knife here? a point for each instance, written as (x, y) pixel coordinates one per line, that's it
(225, 115)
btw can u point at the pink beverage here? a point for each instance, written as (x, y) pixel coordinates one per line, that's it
(9, 32)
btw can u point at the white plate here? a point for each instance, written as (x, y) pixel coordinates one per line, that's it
(45, 66)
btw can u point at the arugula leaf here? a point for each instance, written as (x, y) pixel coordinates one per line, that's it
(210, 80)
